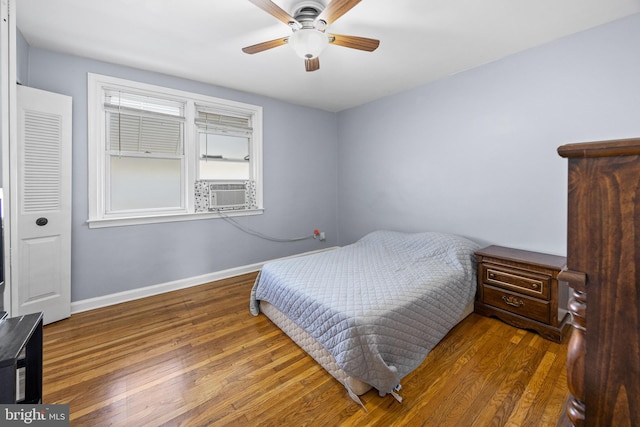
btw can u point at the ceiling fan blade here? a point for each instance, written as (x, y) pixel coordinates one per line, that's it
(353, 42)
(335, 9)
(312, 64)
(261, 47)
(277, 12)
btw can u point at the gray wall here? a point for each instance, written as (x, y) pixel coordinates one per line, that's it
(300, 191)
(475, 153)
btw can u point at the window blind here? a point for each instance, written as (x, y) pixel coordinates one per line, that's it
(217, 122)
(144, 134)
(143, 124)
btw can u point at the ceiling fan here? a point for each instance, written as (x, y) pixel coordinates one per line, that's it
(309, 24)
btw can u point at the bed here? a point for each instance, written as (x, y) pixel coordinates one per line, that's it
(370, 312)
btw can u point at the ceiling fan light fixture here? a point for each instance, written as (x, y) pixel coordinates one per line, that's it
(308, 42)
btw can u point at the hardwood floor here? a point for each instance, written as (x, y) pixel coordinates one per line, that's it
(196, 357)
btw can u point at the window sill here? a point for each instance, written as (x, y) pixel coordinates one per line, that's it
(156, 219)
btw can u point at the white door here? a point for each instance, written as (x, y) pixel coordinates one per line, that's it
(41, 249)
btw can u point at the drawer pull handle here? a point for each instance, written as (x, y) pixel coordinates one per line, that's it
(512, 301)
(534, 285)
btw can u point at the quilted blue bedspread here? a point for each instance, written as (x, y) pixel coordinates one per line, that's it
(378, 305)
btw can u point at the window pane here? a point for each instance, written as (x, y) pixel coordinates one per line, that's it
(145, 183)
(224, 146)
(221, 170)
(224, 157)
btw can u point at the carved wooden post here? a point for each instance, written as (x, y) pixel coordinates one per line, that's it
(575, 410)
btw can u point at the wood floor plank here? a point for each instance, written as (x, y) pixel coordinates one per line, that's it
(196, 357)
(454, 398)
(508, 388)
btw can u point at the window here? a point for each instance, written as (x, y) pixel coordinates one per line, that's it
(144, 144)
(224, 143)
(157, 154)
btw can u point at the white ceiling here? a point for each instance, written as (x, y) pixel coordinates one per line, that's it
(421, 40)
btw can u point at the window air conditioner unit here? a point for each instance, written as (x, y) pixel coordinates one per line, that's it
(227, 195)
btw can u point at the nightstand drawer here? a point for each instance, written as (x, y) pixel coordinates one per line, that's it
(518, 281)
(519, 304)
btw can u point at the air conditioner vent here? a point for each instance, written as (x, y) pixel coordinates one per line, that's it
(227, 196)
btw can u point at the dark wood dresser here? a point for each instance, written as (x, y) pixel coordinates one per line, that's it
(521, 288)
(603, 268)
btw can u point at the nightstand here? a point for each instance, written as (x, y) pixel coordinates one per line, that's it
(521, 288)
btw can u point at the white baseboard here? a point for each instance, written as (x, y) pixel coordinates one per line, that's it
(117, 298)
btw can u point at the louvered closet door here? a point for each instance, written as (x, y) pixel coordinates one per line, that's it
(41, 257)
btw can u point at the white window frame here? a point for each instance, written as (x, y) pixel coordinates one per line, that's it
(97, 179)
(159, 152)
(231, 130)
